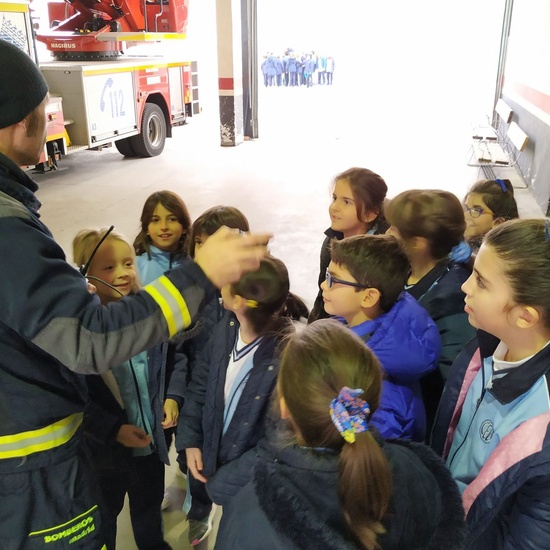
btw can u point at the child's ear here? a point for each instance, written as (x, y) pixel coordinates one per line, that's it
(238, 301)
(371, 298)
(419, 244)
(369, 216)
(498, 221)
(527, 316)
(285, 414)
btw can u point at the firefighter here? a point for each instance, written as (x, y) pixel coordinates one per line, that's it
(53, 331)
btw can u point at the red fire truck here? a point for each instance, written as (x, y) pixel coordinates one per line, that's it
(100, 94)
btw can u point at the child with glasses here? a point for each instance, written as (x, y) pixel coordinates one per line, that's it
(328, 481)
(364, 289)
(487, 204)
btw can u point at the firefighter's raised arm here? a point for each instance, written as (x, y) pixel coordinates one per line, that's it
(228, 253)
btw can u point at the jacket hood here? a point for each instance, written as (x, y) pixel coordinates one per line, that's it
(426, 506)
(297, 490)
(287, 484)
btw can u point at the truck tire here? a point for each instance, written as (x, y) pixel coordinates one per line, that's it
(125, 147)
(150, 142)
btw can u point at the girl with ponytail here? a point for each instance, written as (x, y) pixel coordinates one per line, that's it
(228, 398)
(327, 480)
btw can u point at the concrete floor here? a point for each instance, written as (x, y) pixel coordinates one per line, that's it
(280, 181)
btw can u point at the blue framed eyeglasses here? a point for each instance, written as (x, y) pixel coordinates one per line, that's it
(476, 211)
(331, 280)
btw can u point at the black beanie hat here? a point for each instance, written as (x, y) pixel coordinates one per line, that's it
(22, 86)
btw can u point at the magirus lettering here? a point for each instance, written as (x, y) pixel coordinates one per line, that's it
(66, 45)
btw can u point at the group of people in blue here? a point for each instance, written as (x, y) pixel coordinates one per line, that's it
(297, 69)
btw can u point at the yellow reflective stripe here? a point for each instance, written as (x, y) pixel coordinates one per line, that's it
(58, 527)
(43, 439)
(171, 303)
(166, 311)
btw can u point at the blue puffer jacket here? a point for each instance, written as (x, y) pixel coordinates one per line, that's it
(201, 421)
(407, 344)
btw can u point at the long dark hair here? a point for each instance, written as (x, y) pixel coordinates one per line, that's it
(174, 204)
(369, 193)
(268, 289)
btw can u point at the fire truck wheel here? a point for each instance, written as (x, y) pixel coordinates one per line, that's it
(125, 147)
(150, 142)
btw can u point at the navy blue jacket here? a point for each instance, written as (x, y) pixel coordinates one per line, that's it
(201, 421)
(309, 66)
(198, 337)
(406, 342)
(104, 415)
(508, 504)
(440, 294)
(271, 65)
(292, 65)
(292, 503)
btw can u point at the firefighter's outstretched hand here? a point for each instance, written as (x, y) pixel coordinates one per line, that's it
(133, 436)
(228, 253)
